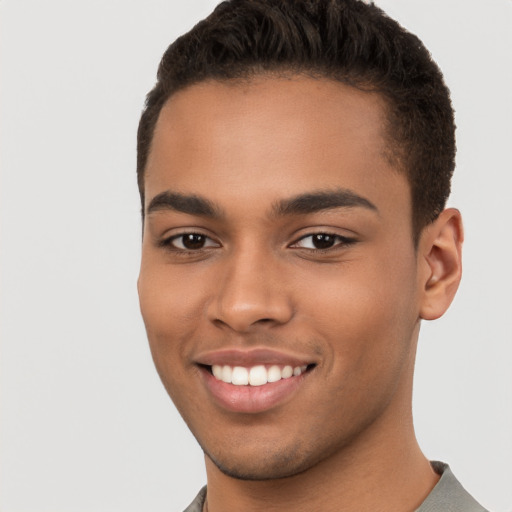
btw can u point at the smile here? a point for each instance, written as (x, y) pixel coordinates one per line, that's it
(253, 381)
(258, 375)
(251, 390)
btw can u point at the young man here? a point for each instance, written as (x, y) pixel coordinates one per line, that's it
(294, 160)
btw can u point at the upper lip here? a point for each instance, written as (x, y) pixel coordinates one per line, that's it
(252, 357)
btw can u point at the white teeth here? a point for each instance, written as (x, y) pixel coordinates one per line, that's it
(227, 372)
(287, 372)
(256, 375)
(217, 371)
(240, 376)
(274, 374)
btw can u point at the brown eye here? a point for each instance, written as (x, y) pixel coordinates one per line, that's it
(322, 241)
(191, 242)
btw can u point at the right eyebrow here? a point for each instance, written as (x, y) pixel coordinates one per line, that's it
(189, 204)
(320, 200)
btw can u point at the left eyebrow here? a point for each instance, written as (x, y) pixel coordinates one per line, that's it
(322, 200)
(184, 203)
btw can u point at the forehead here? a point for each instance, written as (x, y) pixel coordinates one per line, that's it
(270, 136)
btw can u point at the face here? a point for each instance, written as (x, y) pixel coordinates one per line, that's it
(278, 282)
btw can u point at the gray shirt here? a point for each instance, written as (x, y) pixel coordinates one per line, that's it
(447, 496)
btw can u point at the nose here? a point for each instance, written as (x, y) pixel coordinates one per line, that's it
(250, 292)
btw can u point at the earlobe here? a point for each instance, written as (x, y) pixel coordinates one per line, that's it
(440, 251)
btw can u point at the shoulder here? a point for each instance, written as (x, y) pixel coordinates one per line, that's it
(449, 495)
(198, 503)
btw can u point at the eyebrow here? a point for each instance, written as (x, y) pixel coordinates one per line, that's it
(322, 200)
(190, 204)
(301, 204)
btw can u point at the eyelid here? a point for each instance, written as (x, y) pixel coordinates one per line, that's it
(341, 241)
(167, 241)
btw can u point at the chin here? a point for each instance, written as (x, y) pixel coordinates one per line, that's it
(266, 466)
(257, 472)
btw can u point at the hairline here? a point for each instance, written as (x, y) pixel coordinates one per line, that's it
(250, 74)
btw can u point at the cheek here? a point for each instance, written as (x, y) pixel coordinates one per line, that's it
(170, 310)
(171, 305)
(368, 312)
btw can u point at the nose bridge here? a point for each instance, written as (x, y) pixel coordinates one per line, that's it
(250, 290)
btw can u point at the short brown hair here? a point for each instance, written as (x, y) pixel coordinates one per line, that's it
(345, 40)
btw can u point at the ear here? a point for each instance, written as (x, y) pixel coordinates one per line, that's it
(440, 263)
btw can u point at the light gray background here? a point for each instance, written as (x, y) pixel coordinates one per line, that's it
(86, 425)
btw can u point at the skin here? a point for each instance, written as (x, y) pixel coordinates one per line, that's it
(353, 309)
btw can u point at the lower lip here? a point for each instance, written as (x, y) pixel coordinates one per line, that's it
(251, 399)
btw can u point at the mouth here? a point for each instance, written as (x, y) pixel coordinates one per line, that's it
(257, 375)
(253, 382)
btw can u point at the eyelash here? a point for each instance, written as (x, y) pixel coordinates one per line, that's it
(167, 243)
(338, 243)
